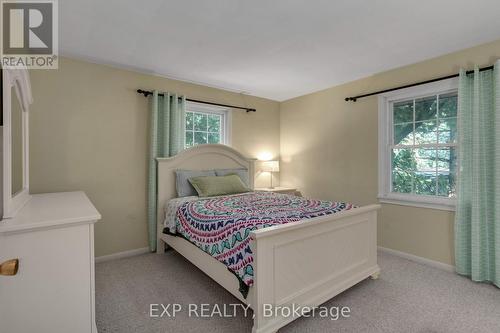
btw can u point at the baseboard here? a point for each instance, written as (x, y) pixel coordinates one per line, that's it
(420, 260)
(412, 257)
(121, 255)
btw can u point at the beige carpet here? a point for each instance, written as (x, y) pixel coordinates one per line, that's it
(408, 297)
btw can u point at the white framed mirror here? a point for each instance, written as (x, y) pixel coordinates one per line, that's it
(16, 97)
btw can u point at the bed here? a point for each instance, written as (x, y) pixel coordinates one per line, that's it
(286, 270)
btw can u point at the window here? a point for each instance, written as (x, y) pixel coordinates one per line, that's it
(418, 145)
(206, 124)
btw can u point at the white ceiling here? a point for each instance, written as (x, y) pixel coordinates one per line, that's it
(276, 49)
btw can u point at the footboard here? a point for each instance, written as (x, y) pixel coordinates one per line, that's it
(308, 262)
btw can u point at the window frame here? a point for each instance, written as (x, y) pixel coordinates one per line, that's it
(385, 135)
(226, 120)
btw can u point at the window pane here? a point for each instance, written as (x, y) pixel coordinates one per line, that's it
(425, 169)
(403, 159)
(402, 181)
(425, 159)
(213, 138)
(200, 122)
(403, 134)
(447, 130)
(403, 112)
(403, 164)
(200, 138)
(425, 108)
(448, 105)
(189, 120)
(425, 132)
(214, 123)
(189, 138)
(425, 183)
(446, 184)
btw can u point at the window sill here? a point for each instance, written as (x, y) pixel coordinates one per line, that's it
(430, 203)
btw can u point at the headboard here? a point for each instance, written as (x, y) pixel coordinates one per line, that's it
(201, 157)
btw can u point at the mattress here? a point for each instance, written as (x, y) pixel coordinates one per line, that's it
(221, 226)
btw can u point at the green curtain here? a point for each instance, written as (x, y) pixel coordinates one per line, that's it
(477, 219)
(168, 116)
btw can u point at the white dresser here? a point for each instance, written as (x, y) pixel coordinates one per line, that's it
(53, 290)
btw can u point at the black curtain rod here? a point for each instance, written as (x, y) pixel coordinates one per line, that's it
(146, 93)
(354, 98)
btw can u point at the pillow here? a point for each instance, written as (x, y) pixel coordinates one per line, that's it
(182, 185)
(209, 186)
(241, 172)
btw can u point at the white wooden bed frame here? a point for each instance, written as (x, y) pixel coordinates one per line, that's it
(303, 263)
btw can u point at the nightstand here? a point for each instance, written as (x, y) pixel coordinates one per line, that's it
(279, 189)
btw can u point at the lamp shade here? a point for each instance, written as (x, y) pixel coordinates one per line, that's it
(270, 166)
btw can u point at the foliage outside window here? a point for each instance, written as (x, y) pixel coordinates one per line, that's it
(418, 146)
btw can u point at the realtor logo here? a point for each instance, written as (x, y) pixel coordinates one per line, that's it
(29, 34)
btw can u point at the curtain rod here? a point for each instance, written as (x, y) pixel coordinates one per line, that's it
(146, 93)
(354, 98)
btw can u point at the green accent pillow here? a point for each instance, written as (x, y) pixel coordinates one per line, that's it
(209, 186)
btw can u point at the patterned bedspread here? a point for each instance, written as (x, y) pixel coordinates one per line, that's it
(221, 226)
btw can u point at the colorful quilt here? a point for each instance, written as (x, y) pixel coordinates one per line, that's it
(221, 226)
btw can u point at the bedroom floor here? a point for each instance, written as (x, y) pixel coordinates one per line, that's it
(408, 297)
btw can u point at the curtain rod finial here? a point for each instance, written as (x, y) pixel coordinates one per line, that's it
(144, 92)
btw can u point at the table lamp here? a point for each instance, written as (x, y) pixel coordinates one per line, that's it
(270, 166)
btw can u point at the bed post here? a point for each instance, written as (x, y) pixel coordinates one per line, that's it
(160, 202)
(251, 173)
(263, 288)
(160, 244)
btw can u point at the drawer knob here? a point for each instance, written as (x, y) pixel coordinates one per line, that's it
(9, 267)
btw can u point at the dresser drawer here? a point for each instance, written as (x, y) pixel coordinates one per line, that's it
(52, 290)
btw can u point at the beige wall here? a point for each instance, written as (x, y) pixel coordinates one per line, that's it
(88, 132)
(329, 151)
